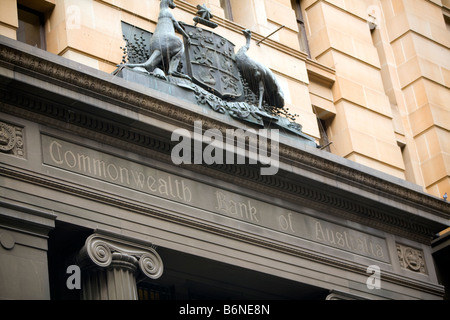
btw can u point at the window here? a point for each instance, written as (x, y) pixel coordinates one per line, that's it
(148, 291)
(31, 27)
(324, 142)
(325, 119)
(301, 26)
(447, 19)
(226, 6)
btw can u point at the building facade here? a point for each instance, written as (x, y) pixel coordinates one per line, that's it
(355, 209)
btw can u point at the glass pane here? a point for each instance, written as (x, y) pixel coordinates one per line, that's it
(29, 30)
(226, 6)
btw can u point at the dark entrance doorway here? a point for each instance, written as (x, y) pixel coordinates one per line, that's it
(185, 277)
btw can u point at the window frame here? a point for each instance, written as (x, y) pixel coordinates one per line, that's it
(226, 6)
(301, 23)
(41, 17)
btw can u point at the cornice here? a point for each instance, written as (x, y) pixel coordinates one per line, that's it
(288, 186)
(419, 34)
(338, 7)
(320, 73)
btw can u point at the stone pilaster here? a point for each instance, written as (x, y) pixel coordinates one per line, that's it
(111, 266)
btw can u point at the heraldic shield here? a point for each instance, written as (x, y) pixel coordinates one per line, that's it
(211, 64)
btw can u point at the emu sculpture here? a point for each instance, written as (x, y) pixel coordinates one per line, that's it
(258, 77)
(165, 47)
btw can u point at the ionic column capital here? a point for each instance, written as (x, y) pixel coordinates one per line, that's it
(105, 250)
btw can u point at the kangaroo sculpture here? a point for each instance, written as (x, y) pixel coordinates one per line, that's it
(165, 47)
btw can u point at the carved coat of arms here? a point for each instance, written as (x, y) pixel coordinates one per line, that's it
(211, 65)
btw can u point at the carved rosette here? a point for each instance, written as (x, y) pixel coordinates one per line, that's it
(11, 140)
(411, 259)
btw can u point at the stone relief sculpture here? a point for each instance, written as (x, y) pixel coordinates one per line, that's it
(411, 259)
(11, 140)
(210, 73)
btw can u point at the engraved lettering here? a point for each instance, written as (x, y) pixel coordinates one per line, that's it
(221, 204)
(346, 240)
(163, 187)
(365, 245)
(330, 236)
(187, 194)
(99, 168)
(286, 223)
(171, 187)
(379, 253)
(151, 186)
(232, 207)
(132, 175)
(113, 173)
(70, 159)
(56, 157)
(243, 210)
(177, 185)
(138, 178)
(360, 244)
(319, 232)
(122, 175)
(68, 156)
(340, 239)
(252, 211)
(84, 163)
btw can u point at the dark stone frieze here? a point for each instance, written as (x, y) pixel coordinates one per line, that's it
(248, 176)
